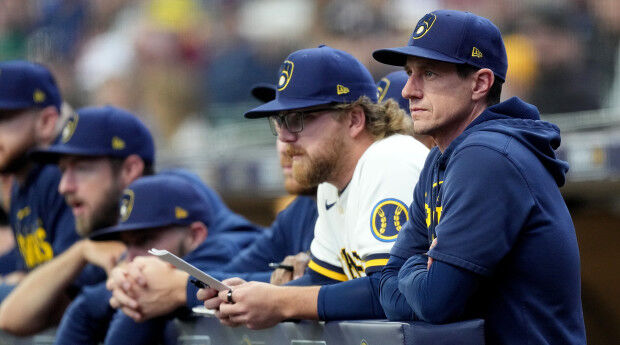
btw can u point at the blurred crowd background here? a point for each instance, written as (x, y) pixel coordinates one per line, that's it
(178, 62)
(186, 68)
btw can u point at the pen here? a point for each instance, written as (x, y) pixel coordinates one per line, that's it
(275, 266)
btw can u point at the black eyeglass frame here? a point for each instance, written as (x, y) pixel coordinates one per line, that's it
(276, 121)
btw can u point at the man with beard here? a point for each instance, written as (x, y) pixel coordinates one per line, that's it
(164, 211)
(101, 151)
(366, 162)
(30, 107)
(288, 239)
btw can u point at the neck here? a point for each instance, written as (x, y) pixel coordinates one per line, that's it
(445, 137)
(348, 162)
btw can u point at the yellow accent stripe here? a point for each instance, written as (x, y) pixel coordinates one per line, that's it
(328, 273)
(376, 262)
(435, 184)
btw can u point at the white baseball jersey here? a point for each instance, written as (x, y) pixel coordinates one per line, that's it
(355, 230)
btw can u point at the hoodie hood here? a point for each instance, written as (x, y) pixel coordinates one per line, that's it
(520, 121)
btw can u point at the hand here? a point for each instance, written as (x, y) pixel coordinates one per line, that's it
(430, 260)
(299, 262)
(210, 296)
(104, 254)
(255, 306)
(162, 291)
(122, 281)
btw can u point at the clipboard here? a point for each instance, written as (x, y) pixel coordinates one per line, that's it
(183, 265)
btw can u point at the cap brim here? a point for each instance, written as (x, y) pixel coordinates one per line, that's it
(52, 154)
(398, 56)
(282, 104)
(111, 233)
(264, 92)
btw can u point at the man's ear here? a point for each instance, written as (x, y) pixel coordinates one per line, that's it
(357, 121)
(483, 80)
(45, 126)
(131, 170)
(198, 234)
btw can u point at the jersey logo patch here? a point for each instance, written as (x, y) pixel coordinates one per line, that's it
(126, 204)
(423, 26)
(69, 129)
(387, 218)
(286, 72)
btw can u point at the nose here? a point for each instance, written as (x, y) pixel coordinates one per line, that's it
(286, 136)
(412, 89)
(67, 183)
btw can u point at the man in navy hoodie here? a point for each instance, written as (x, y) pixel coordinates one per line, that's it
(490, 235)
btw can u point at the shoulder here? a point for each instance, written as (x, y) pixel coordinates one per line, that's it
(397, 151)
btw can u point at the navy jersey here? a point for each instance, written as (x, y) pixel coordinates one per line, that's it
(43, 223)
(503, 231)
(41, 220)
(87, 318)
(289, 234)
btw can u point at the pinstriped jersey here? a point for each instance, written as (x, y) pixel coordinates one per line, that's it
(357, 226)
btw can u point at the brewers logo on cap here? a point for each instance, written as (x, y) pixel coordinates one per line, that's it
(423, 26)
(286, 73)
(126, 204)
(387, 218)
(69, 129)
(382, 88)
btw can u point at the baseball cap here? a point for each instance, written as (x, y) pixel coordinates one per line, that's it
(455, 37)
(264, 92)
(391, 86)
(158, 201)
(25, 84)
(318, 76)
(101, 131)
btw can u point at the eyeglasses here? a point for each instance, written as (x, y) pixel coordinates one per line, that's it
(294, 120)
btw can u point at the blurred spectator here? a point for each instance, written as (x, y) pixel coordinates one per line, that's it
(564, 82)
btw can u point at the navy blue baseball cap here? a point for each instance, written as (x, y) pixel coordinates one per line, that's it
(391, 86)
(25, 85)
(318, 76)
(158, 201)
(101, 131)
(452, 36)
(264, 92)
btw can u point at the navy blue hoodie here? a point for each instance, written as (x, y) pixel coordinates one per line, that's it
(506, 245)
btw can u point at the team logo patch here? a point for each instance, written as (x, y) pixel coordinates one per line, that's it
(475, 52)
(342, 90)
(382, 88)
(423, 26)
(69, 129)
(126, 204)
(180, 213)
(118, 143)
(286, 72)
(38, 96)
(387, 218)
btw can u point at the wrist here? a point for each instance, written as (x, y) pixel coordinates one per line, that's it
(180, 291)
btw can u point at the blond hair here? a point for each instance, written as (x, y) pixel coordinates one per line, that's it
(382, 119)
